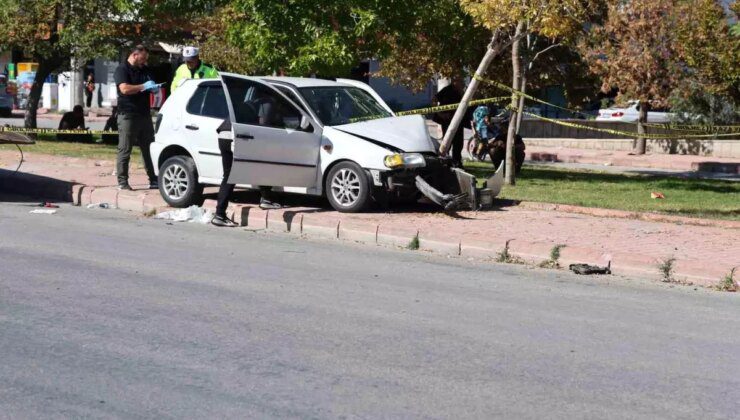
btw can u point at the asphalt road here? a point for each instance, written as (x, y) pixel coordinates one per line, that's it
(103, 315)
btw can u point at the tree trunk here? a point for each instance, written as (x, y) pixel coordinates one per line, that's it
(510, 168)
(640, 146)
(494, 48)
(520, 107)
(45, 68)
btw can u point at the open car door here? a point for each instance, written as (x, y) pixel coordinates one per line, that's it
(275, 143)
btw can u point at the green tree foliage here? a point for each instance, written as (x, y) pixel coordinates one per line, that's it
(444, 41)
(53, 32)
(56, 33)
(707, 48)
(301, 37)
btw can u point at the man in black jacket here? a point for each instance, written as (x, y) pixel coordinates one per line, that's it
(134, 83)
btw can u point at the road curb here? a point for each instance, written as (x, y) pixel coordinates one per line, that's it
(338, 227)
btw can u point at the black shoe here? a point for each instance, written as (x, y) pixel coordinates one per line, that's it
(153, 185)
(269, 205)
(124, 187)
(223, 221)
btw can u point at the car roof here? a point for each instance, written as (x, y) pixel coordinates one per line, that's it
(300, 82)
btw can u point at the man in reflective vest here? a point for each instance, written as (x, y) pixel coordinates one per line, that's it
(192, 68)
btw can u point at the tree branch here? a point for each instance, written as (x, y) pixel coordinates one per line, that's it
(542, 52)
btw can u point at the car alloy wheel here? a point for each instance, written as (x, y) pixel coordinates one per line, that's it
(345, 187)
(175, 181)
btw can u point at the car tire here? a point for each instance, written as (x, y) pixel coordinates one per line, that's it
(348, 188)
(178, 182)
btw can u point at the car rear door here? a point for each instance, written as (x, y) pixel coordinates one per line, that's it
(205, 111)
(270, 147)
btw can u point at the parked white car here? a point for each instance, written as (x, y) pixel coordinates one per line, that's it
(311, 146)
(631, 114)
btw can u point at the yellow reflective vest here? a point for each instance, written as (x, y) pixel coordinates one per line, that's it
(183, 72)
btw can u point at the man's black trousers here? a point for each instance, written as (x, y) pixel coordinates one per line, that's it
(458, 144)
(224, 192)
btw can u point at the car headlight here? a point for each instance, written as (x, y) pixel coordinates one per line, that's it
(405, 160)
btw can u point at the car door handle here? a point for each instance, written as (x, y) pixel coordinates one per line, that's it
(192, 127)
(245, 136)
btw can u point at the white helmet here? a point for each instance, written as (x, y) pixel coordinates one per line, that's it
(189, 52)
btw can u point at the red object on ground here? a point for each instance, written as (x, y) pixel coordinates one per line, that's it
(656, 194)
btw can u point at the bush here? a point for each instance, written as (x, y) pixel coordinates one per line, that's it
(694, 105)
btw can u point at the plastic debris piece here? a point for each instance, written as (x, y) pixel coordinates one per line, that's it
(43, 211)
(590, 269)
(49, 205)
(656, 194)
(191, 214)
(98, 206)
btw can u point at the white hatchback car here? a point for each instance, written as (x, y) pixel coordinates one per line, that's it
(332, 138)
(631, 114)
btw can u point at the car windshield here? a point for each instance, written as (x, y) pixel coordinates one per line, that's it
(337, 105)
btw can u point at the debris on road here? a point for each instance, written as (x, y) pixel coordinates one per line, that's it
(587, 269)
(98, 206)
(191, 214)
(48, 205)
(43, 211)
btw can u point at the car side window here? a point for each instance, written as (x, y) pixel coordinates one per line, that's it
(195, 104)
(256, 104)
(214, 104)
(289, 93)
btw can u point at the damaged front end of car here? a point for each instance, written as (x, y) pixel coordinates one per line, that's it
(436, 179)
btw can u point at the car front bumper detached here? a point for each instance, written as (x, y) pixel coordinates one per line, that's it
(436, 179)
(460, 192)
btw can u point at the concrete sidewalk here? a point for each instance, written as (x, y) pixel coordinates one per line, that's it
(705, 250)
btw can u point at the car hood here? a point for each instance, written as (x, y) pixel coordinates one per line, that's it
(407, 134)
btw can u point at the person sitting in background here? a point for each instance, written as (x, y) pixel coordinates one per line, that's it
(497, 148)
(111, 124)
(73, 120)
(485, 129)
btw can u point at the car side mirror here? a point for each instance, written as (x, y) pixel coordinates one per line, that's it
(305, 123)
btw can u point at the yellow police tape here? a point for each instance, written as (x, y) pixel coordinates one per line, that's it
(433, 109)
(24, 130)
(530, 97)
(450, 107)
(669, 126)
(700, 128)
(628, 133)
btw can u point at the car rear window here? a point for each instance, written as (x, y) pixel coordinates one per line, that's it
(208, 101)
